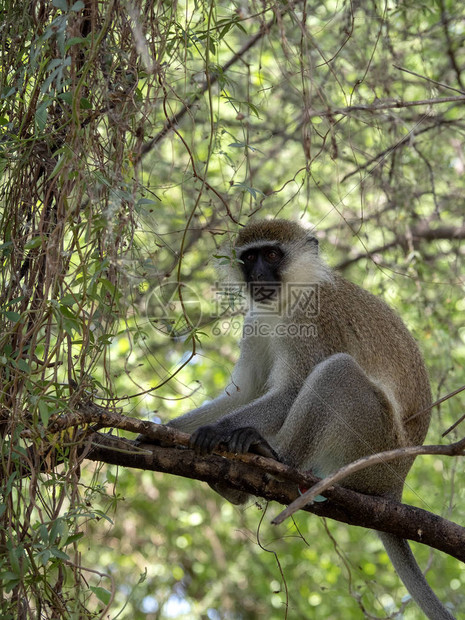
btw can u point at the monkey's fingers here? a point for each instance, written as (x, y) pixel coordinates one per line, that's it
(248, 439)
(205, 440)
(264, 449)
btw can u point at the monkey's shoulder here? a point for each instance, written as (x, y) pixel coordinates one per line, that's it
(346, 301)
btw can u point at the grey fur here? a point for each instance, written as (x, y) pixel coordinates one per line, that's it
(321, 401)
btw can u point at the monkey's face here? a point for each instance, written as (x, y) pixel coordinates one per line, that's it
(261, 267)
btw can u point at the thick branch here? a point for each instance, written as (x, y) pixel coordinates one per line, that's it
(251, 473)
(259, 476)
(454, 449)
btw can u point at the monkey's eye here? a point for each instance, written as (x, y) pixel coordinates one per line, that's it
(272, 256)
(249, 257)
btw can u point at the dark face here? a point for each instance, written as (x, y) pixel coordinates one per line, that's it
(262, 267)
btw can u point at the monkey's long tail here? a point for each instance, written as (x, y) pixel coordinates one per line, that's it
(408, 570)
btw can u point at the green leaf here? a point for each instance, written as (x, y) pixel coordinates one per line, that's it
(61, 4)
(10, 92)
(225, 30)
(59, 165)
(9, 484)
(15, 553)
(68, 300)
(66, 97)
(58, 529)
(73, 538)
(102, 594)
(71, 326)
(147, 201)
(42, 115)
(102, 515)
(15, 300)
(77, 6)
(253, 108)
(45, 412)
(33, 243)
(75, 41)
(240, 26)
(24, 366)
(251, 190)
(44, 556)
(12, 316)
(105, 339)
(61, 555)
(53, 64)
(10, 580)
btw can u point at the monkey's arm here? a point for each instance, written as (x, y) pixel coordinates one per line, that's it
(248, 383)
(208, 413)
(205, 414)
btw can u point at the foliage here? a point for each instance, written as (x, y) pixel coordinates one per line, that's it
(135, 135)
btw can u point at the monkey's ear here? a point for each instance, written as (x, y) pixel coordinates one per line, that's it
(312, 242)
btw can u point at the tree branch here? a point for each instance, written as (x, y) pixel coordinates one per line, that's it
(174, 120)
(257, 475)
(421, 232)
(385, 105)
(405, 141)
(454, 449)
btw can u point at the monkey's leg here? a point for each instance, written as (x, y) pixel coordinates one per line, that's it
(338, 416)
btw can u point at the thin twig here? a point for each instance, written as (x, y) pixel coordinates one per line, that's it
(453, 449)
(386, 105)
(423, 77)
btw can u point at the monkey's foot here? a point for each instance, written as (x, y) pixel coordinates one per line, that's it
(144, 439)
(249, 440)
(232, 495)
(211, 437)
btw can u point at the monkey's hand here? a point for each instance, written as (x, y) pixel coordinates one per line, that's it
(210, 437)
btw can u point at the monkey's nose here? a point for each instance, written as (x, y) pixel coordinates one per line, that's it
(256, 277)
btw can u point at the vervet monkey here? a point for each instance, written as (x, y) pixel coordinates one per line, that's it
(353, 385)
